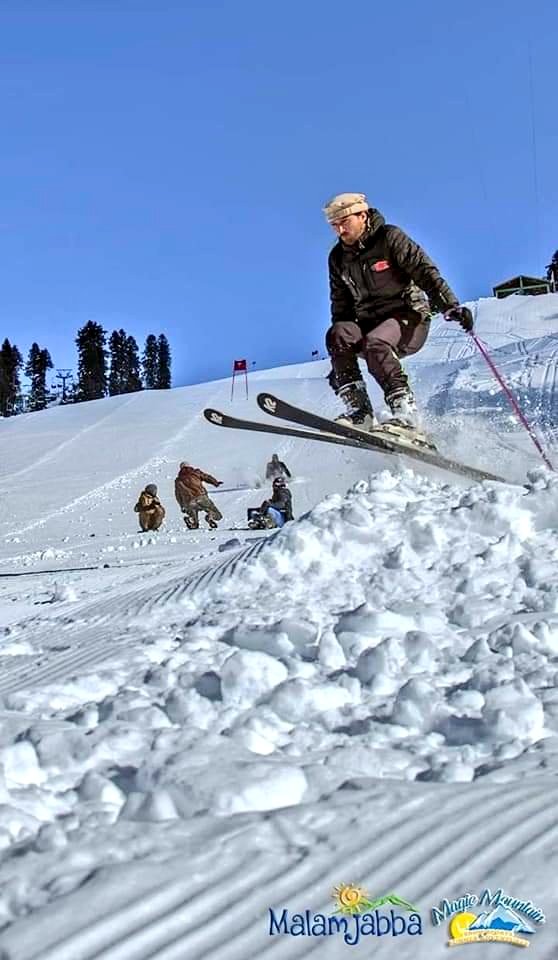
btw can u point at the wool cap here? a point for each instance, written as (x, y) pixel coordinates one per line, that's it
(344, 204)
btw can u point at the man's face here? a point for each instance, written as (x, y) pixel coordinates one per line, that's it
(351, 228)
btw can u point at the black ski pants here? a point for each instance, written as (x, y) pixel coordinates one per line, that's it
(381, 347)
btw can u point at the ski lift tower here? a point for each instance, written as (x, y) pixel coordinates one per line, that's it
(63, 375)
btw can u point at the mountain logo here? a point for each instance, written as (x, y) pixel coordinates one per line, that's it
(505, 922)
(501, 918)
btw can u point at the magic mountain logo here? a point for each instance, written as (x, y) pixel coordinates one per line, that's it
(356, 916)
(506, 919)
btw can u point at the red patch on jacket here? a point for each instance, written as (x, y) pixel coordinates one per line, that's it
(381, 265)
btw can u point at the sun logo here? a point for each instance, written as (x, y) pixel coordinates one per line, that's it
(350, 898)
(460, 924)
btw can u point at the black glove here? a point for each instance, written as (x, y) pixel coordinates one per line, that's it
(461, 315)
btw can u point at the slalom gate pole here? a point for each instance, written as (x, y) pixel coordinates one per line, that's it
(511, 398)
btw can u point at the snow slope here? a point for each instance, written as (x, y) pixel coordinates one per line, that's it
(200, 726)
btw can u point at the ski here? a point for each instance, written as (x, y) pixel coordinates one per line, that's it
(371, 441)
(220, 419)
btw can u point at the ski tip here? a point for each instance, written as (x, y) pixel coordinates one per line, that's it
(267, 402)
(214, 416)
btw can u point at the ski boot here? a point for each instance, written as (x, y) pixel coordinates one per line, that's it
(211, 523)
(191, 522)
(404, 425)
(359, 412)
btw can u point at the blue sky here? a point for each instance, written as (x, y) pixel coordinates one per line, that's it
(164, 164)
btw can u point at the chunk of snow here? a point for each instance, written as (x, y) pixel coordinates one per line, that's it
(248, 675)
(21, 764)
(263, 787)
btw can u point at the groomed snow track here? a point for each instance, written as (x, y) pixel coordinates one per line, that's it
(457, 843)
(89, 633)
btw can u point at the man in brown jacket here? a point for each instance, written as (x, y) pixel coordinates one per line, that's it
(150, 509)
(192, 496)
(383, 291)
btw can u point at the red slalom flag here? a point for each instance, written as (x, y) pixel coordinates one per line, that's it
(240, 366)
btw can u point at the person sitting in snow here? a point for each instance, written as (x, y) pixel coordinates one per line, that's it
(150, 509)
(278, 510)
(276, 468)
(192, 496)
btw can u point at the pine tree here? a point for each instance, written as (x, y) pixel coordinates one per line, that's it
(117, 350)
(11, 362)
(552, 270)
(38, 362)
(92, 362)
(133, 378)
(149, 362)
(4, 379)
(124, 374)
(163, 363)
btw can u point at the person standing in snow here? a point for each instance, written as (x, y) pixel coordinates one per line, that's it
(279, 508)
(383, 291)
(150, 509)
(276, 468)
(192, 496)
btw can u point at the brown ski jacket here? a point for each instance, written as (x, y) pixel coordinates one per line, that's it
(189, 484)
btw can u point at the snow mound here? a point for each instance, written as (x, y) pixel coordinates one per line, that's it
(205, 704)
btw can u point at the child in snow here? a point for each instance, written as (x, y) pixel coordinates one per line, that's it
(150, 509)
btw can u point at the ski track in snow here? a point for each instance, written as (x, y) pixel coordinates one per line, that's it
(225, 917)
(81, 645)
(200, 886)
(55, 452)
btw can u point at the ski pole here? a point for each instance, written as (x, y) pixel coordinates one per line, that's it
(517, 409)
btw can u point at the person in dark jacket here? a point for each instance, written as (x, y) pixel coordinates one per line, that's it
(383, 291)
(276, 468)
(279, 508)
(192, 497)
(150, 509)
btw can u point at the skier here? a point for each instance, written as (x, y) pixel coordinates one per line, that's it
(276, 511)
(192, 496)
(383, 291)
(276, 468)
(150, 509)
